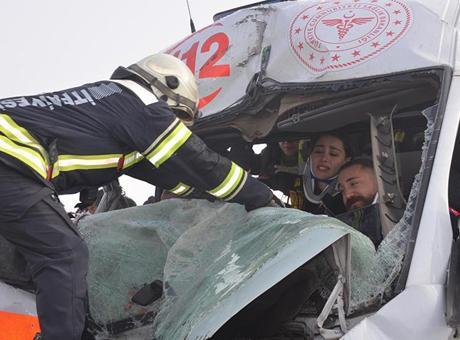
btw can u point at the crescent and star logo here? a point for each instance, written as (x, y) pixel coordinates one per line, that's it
(336, 35)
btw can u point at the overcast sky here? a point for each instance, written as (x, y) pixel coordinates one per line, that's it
(51, 45)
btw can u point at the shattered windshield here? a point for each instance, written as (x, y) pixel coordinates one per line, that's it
(203, 252)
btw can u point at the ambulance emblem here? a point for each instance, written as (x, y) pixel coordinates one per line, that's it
(336, 35)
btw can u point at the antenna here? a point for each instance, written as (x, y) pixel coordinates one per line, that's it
(192, 25)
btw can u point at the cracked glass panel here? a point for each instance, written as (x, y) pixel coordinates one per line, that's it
(209, 263)
(385, 264)
(128, 249)
(203, 252)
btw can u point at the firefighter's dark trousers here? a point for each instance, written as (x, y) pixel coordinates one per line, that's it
(33, 220)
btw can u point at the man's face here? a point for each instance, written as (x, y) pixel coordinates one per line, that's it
(358, 186)
(289, 148)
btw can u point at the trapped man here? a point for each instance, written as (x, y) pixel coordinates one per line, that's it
(358, 184)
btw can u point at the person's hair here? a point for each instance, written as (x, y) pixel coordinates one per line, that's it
(340, 136)
(363, 162)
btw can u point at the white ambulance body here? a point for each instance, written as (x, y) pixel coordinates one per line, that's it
(298, 68)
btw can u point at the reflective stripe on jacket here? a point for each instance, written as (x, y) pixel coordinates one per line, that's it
(89, 135)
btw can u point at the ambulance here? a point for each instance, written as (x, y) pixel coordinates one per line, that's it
(383, 72)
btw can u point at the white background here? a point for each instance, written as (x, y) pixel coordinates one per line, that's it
(51, 45)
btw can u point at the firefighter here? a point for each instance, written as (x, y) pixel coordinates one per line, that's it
(87, 136)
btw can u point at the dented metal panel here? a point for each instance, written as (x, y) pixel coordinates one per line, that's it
(224, 56)
(415, 314)
(316, 41)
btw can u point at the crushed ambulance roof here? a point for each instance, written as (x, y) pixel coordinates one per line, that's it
(311, 41)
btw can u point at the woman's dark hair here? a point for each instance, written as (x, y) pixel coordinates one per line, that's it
(340, 136)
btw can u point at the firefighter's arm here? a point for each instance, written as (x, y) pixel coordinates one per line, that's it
(146, 172)
(198, 166)
(164, 141)
(195, 171)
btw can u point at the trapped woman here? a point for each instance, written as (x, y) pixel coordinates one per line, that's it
(328, 153)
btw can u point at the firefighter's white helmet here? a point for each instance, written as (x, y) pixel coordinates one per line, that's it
(172, 81)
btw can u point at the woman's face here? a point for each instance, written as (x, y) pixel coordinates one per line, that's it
(327, 157)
